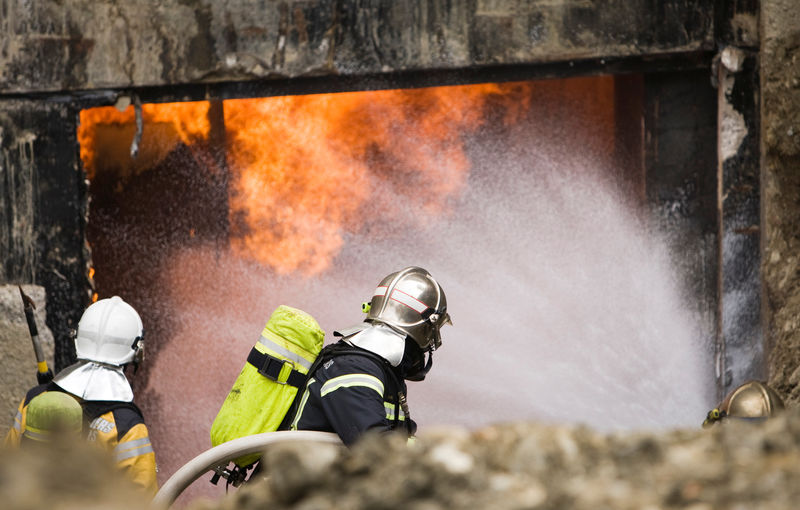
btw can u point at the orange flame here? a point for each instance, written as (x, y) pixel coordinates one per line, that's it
(310, 168)
(105, 134)
(306, 170)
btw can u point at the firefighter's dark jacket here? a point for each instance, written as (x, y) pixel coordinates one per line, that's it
(117, 426)
(350, 394)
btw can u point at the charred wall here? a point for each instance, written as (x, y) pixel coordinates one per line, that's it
(43, 204)
(59, 56)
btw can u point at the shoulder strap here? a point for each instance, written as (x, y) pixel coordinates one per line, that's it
(341, 348)
(271, 367)
(388, 370)
(94, 408)
(38, 390)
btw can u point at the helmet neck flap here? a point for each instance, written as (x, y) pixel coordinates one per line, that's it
(381, 339)
(89, 380)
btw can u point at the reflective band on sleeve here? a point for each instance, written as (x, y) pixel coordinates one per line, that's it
(133, 448)
(409, 300)
(346, 381)
(283, 351)
(18, 421)
(390, 412)
(127, 445)
(302, 404)
(380, 291)
(135, 453)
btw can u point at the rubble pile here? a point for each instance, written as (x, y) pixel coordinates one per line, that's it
(64, 477)
(737, 466)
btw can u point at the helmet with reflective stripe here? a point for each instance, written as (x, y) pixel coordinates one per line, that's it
(110, 331)
(752, 399)
(412, 302)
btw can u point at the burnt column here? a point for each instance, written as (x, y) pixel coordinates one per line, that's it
(740, 349)
(43, 199)
(680, 124)
(217, 146)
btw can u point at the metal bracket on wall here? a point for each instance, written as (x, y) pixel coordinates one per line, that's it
(137, 137)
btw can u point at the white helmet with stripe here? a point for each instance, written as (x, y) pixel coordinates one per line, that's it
(412, 302)
(110, 331)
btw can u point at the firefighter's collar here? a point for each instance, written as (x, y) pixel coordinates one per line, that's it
(88, 380)
(383, 341)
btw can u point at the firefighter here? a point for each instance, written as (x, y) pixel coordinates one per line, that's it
(753, 401)
(358, 383)
(109, 337)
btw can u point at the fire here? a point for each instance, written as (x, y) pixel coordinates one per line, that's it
(106, 133)
(305, 171)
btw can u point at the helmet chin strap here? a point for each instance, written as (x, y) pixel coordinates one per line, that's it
(138, 352)
(419, 375)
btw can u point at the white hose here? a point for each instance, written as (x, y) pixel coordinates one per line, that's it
(226, 452)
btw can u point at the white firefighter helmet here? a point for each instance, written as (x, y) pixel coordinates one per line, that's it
(110, 331)
(412, 302)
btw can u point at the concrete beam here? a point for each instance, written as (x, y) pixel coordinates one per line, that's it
(49, 45)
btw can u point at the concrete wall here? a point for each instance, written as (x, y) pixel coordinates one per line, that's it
(59, 56)
(780, 83)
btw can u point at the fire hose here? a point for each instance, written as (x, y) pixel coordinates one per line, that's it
(216, 459)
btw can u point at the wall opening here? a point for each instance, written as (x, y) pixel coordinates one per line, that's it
(527, 200)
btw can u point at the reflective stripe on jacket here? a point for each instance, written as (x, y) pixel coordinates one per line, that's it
(123, 432)
(350, 395)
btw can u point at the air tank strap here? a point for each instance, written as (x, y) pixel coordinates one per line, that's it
(271, 368)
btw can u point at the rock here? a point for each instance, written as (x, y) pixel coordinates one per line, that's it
(17, 359)
(530, 465)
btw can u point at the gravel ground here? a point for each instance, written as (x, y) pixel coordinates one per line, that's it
(740, 465)
(526, 466)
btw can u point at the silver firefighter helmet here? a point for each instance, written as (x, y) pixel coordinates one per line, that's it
(413, 302)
